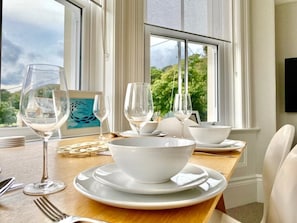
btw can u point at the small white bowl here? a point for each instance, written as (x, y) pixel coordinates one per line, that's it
(151, 159)
(210, 134)
(149, 127)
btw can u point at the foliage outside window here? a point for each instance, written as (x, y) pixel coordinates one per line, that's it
(169, 61)
(206, 24)
(165, 85)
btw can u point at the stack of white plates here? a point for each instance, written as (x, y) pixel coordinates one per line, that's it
(112, 176)
(12, 141)
(109, 185)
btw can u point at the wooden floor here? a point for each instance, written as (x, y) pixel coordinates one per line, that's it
(250, 213)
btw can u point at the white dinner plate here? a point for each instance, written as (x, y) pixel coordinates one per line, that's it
(89, 187)
(131, 133)
(189, 177)
(227, 145)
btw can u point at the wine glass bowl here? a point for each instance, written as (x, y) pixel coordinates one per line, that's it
(44, 107)
(138, 107)
(101, 111)
(182, 109)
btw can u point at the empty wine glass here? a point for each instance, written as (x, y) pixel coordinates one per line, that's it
(182, 109)
(138, 106)
(44, 107)
(101, 111)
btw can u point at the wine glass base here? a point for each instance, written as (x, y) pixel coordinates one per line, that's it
(103, 139)
(47, 187)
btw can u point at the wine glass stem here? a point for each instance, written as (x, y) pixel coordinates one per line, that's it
(45, 161)
(100, 129)
(137, 129)
(182, 129)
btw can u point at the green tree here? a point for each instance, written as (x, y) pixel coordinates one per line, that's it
(7, 114)
(164, 88)
(155, 74)
(9, 105)
(4, 95)
(164, 85)
(198, 84)
(15, 99)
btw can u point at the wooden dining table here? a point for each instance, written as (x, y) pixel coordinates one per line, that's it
(25, 164)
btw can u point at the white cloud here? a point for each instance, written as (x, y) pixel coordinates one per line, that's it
(30, 35)
(35, 12)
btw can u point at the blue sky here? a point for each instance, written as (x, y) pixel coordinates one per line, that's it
(32, 32)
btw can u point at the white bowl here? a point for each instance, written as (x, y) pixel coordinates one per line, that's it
(149, 127)
(210, 134)
(151, 159)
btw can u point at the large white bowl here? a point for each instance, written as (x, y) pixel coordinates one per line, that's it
(210, 134)
(151, 159)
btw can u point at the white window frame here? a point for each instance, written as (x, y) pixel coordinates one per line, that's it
(223, 70)
(234, 69)
(241, 81)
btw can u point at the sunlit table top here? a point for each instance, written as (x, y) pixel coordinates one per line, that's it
(24, 163)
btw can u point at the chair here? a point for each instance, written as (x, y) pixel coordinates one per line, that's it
(283, 200)
(277, 150)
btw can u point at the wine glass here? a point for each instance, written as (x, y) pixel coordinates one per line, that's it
(138, 106)
(182, 109)
(101, 111)
(44, 107)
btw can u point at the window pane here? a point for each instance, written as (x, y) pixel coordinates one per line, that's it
(32, 32)
(167, 62)
(166, 56)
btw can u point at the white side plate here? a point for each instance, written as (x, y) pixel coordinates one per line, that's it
(227, 145)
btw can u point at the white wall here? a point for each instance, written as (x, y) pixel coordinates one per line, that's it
(286, 47)
(246, 185)
(277, 2)
(263, 72)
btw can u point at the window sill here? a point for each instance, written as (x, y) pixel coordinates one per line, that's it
(18, 131)
(241, 130)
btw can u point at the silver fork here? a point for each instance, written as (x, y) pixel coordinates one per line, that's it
(53, 213)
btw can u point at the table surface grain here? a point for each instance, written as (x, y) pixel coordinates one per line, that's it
(25, 163)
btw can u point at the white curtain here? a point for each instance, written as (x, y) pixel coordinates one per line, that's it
(210, 18)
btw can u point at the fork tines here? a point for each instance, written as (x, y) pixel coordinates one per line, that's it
(49, 209)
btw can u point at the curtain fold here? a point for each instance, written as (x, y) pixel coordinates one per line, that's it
(210, 18)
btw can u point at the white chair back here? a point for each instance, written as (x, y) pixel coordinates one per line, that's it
(283, 200)
(277, 150)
